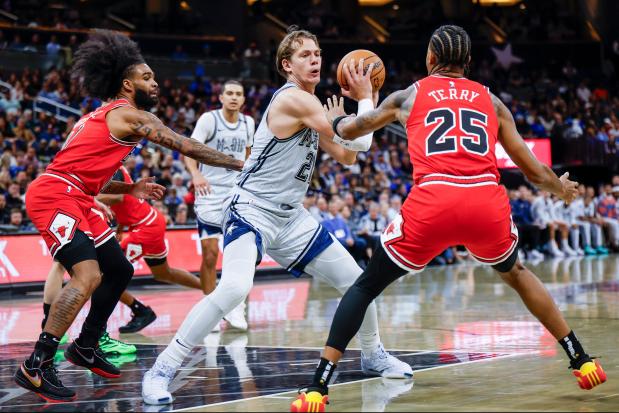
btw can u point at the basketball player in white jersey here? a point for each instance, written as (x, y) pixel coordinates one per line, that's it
(265, 214)
(233, 133)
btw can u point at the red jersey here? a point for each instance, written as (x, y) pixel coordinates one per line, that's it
(452, 129)
(91, 154)
(131, 211)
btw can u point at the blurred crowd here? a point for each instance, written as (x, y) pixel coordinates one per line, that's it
(355, 203)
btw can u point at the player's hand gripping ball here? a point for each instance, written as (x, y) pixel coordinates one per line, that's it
(370, 58)
(309, 402)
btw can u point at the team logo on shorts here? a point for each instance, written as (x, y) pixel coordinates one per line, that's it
(134, 251)
(62, 228)
(393, 230)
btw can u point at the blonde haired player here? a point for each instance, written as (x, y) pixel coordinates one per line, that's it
(265, 214)
(232, 133)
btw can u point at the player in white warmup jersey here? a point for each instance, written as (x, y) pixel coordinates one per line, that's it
(265, 214)
(233, 134)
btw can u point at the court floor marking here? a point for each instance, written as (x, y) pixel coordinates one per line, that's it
(280, 395)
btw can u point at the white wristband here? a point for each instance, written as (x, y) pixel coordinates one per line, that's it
(365, 105)
(362, 143)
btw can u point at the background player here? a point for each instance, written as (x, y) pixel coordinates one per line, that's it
(265, 214)
(60, 203)
(452, 125)
(231, 132)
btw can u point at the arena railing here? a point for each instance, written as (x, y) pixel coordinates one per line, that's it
(58, 110)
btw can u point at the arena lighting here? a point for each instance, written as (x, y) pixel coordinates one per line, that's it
(505, 3)
(374, 2)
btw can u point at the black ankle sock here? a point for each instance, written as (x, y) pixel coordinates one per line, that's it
(137, 307)
(46, 308)
(323, 375)
(44, 349)
(574, 350)
(90, 335)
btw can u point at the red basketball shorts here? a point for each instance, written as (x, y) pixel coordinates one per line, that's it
(146, 240)
(438, 215)
(58, 209)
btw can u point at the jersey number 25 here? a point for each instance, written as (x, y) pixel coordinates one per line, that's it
(472, 123)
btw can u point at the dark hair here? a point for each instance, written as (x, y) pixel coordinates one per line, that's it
(230, 82)
(102, 62)
(452, 47)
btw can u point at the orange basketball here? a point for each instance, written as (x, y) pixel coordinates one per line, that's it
(378, 73)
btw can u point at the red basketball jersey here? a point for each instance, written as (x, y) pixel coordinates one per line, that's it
(131, 211)
(91, 154)
(452, 129)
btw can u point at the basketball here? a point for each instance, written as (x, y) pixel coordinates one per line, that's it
(378, 73)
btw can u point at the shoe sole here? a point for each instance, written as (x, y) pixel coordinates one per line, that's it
(95, 370)
(28, 386)
(123, 330)
(374, 373)
(158, 402)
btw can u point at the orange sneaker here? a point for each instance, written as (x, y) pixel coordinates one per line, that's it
(309, 402)
(590, 375)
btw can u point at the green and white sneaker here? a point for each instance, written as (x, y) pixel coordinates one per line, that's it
(64, 339)
(109, 345)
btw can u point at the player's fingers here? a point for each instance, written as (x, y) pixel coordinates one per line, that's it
(347, 74)
(360, 67)
(345, 92)
(342, 102)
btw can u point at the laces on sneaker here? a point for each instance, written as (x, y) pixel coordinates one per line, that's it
(50, 374)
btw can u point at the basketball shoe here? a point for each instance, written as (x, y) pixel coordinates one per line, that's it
(590, 374)
(236, 317)
(139, 321)
(91, 358)
(110, 345)
(155, 384)
(311, 401)
(381, 363)
(40, 377)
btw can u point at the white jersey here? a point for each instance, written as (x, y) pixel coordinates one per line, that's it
(215, 132)
(279, 169)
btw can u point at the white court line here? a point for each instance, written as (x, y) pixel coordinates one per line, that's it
(280, 395)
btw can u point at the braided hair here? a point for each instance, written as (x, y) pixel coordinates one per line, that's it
(452, 47)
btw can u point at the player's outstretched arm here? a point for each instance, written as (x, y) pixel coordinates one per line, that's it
(536, 172)
(129, 122)
(395, 107)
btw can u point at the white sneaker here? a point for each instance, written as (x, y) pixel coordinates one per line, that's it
(555, 251)
(155, 384)
(535, 254)
(580, 252)
(381, 363)
(236, 317)
(568, 251)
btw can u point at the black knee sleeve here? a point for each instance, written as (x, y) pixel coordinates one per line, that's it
(381, 272)
(507, 265)
(81, 248)
(117, 272)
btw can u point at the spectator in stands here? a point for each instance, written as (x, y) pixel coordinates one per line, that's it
(583, 211)
(180, 217)
(14, 199)
(529, 233)
(543, 217)
(179, 185)
(5, 216)
(607, 208)
(371, 226)
(17, 221)
(52, 48)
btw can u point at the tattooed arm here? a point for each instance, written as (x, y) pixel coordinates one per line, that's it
(395, 107)
(131, 124)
